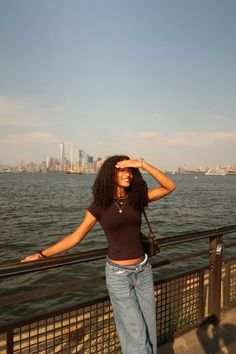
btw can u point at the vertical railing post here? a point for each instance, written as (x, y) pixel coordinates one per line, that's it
(215, 271)
(10, 341)
(201, 297)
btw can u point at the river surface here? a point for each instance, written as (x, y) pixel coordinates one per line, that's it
(36, 210)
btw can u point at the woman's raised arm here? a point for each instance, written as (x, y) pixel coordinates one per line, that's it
(166, 184)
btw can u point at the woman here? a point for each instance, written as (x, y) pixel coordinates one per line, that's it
(120, 195)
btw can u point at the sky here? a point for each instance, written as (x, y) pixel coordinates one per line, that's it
(150, 78)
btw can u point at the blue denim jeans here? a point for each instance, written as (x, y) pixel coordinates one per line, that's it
(133, 301)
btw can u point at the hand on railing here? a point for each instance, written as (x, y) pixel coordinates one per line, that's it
(33, 257)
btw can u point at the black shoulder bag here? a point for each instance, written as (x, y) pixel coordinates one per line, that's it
(150, 243)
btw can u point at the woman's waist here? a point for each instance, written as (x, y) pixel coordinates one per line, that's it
(128, 262)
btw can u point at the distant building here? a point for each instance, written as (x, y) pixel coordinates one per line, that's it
(82, 161)
(50, 163)
(90, 163)
(61, 153)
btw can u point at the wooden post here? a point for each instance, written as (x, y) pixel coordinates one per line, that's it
(215, 271)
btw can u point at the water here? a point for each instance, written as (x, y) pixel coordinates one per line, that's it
(36, 210)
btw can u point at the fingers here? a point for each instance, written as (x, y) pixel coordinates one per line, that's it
(123, 164)
(132, 162)
(33, 257)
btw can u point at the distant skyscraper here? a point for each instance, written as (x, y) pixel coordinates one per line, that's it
(62, 153)
(82, 160)
(90, 163)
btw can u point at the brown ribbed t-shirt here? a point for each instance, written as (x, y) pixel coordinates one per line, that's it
(122, 230)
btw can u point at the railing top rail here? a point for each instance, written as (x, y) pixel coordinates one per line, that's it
(53, 262)
(194, 236)
(13, 269)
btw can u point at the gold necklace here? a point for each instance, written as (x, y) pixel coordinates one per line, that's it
(120, 202)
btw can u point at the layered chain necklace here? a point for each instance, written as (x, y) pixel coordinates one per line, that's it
(120, 202)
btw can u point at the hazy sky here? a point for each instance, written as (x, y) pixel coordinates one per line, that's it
(151, 78)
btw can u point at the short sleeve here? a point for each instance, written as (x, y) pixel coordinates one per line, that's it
(95, 210)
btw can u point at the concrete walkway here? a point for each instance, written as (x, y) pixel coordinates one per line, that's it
(207, 339)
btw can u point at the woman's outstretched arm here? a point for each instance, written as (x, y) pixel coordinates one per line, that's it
(67, 242)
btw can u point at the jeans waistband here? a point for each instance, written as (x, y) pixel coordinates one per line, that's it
(138, 267)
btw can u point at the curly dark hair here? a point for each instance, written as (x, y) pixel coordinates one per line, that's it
(104, 186)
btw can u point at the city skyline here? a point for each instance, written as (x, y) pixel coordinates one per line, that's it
(80, 161)
(155, 79)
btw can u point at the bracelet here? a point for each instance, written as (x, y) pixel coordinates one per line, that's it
(41, 255)
(141, 162)
(155, 174)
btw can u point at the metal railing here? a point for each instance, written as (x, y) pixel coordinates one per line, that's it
(183, 300)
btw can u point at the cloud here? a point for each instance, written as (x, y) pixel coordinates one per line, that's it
(186, 139)
(202, 139)
(28, 112)
(141, 135)
(18, 112)
(30, 138)
(101, 142)
(157, 115)
(219, 116)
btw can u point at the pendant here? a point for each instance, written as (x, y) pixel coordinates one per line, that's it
(120, 211)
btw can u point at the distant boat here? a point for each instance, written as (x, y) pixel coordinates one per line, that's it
(212, 172)
(74, 173)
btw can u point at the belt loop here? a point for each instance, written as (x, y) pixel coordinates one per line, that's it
(144, 261)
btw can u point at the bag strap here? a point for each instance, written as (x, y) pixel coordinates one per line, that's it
(148, 223)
